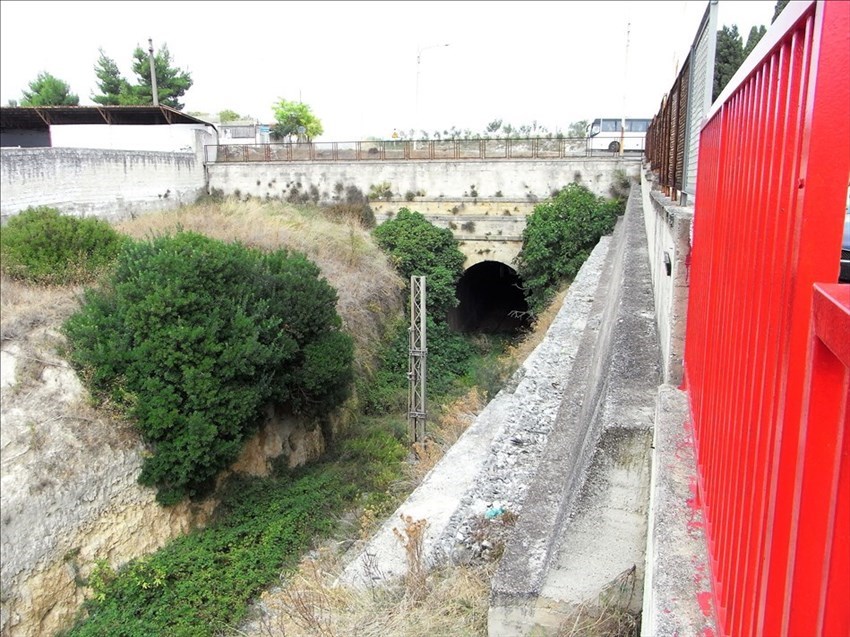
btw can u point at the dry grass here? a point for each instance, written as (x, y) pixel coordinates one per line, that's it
(444, 430)
(25, 307)
(608, 615)
(370, 292)
(452, 602)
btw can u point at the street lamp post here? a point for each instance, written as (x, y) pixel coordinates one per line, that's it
(419, 51)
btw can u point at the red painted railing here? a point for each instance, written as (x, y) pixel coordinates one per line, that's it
(766, 351)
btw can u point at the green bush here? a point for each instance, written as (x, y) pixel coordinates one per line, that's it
(419, 248)
(558, 237)
(44, 246)
(193, 337)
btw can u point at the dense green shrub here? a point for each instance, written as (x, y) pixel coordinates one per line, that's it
(419, 248)
(193, 337)
(200, 585)
(558, 237)
(44, 246)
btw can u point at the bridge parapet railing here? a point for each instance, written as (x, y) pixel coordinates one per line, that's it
(401, 150)
(767, 348)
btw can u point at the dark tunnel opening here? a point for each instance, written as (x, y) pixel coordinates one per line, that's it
(491, 301)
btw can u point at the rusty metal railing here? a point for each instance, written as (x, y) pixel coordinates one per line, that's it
(402, 150)
(672, 141)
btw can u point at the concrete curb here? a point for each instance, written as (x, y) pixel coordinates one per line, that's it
(612, 386)
(678, 599)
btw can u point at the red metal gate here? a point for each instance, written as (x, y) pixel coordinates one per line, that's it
(766, 351)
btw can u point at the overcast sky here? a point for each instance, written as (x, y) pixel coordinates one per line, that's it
(355, 63)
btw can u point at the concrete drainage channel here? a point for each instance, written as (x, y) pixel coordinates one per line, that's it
(566, 446)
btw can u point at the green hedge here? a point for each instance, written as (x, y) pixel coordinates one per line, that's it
(558, 237)
(193, 337)
(43, 246)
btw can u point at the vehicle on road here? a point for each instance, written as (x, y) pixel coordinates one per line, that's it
(608, 133)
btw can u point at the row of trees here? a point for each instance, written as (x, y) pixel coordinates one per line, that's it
(114, 89)
(500, 129)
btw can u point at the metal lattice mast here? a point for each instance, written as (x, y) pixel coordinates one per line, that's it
(416, 362)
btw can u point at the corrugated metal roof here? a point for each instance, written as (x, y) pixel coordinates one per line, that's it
(42, 117)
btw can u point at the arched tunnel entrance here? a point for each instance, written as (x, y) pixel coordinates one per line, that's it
(491, 300)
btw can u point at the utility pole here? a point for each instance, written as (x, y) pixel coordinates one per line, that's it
(154, 91)
(625, 84)
(416, 368)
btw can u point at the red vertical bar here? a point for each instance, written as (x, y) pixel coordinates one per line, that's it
(836, 613)
(821, 442)
(822, 193)
(824, 425)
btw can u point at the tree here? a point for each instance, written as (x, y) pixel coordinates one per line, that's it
(228, 116)
(728, 57)
(171, 82)
(291, 118)
(780, 5)
(47, 90)
(109, 81)
(193, 337)
(418, 247)
(578, 129)
(756, 34)
(558, 237)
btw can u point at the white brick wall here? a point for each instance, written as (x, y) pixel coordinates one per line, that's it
(110, 184)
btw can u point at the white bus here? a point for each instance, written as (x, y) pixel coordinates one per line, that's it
(607, 133)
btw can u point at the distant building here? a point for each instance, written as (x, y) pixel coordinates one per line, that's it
(156, 128)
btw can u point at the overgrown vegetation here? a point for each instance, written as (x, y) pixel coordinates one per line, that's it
(558, 237)
(418, 248)
(41, 245)
(200, 584)
(193, 337)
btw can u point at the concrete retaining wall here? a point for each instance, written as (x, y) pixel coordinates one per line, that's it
(520, 179)
(668, 231)
(110, 184)
(611, 388)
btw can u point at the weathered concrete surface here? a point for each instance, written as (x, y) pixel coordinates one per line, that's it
(668, 230)
(111, 184)
(515, 179)
(448, 494)
(612, 386)
(678, 599)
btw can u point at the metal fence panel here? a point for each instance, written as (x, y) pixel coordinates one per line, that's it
(769, 406)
